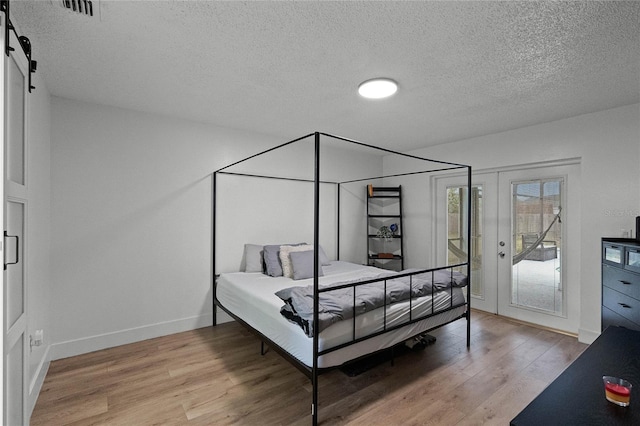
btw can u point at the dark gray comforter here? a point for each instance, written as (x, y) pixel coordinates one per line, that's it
(337, 305)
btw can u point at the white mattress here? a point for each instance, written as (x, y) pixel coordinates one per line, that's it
(251, 297)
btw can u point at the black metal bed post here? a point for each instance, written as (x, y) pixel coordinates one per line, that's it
(401, 230)
(213, 247)
(338, 223)
(316, 293)
(469, 255)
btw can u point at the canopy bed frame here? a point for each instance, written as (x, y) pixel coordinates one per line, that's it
(414, 322)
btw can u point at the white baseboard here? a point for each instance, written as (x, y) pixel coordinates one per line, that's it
(123, 337)
(587, 336)
(38, 380)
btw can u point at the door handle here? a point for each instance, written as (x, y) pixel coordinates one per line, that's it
(501, 254)
(6, 235)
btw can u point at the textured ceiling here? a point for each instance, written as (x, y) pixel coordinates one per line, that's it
(289, 68)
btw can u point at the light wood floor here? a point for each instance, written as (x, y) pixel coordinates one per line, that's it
(216, 376)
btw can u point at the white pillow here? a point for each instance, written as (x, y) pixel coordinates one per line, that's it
(285, 259)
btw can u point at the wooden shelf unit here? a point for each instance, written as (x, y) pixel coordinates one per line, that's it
(384, 209)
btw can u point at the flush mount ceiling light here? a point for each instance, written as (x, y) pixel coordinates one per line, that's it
(377, 88)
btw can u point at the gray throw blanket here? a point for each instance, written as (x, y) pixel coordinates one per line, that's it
(337, 305)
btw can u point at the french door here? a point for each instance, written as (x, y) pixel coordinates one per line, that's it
(524, 241)
(15, 339)
(450, 231)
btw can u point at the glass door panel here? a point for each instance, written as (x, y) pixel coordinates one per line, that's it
(456, 233)
(537, 243)
(450, 232)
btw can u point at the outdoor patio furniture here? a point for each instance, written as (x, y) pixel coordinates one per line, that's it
(546, 250)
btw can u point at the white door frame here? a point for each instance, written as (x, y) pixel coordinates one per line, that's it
(492, 262)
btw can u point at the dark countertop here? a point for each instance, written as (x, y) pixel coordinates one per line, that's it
(576, 397)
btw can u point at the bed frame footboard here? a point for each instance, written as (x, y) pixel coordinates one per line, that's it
(313, 372)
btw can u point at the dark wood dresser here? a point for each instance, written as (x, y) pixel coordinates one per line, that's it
(621, 283)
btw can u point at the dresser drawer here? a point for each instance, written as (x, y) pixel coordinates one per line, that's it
(621, 304)
(632, 259)
(623, 281)
(612, 254)
(611, 318)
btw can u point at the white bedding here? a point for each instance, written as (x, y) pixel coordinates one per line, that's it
(251, 297)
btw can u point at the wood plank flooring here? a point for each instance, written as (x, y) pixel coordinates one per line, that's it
(216, 376)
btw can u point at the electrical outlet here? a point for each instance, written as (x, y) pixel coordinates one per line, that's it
(37, 339)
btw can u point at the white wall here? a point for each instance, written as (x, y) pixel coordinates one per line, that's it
(38, 233)
(275, 212)
(278, 211)
(608, 145)
(131, 215)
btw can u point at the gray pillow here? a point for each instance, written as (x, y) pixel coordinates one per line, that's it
(272, 266)
(302, 262)
(252, 258)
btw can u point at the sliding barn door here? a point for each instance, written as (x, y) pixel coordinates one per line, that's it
(16, 341)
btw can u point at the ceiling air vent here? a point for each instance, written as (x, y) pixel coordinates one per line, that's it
(83, 7)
